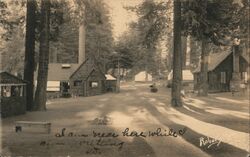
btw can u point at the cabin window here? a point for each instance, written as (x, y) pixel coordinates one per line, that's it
(11, 91)
(223, 77)
(93, 84)
(6, 91)
(77, 82)
(15, 91)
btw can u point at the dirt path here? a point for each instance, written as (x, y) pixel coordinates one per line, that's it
(117, 115)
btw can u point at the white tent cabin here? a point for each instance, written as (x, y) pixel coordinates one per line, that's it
(143, 76)
(187, 79)
(187, 75)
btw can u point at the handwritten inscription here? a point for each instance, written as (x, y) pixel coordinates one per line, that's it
(127, 133)
(209, 142)
(102, 134)
(69, 134)
(96, 140)
(101, 142)
(157, 132)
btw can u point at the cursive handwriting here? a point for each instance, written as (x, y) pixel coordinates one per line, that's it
(101, 142)
(127, 133)
(158, 132)
(103, 134)
(133, 133)
(96, 140)
(69, 134)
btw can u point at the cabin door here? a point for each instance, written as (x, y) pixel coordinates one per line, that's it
(83, 89)
(103, 86)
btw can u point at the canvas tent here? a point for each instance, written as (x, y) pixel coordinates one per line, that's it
(187, 79)
(187, 75)
(141, 77)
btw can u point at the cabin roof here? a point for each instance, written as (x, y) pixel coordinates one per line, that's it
(7, 78)
(63, 72)
(109, 77)
(214, 59)
(60, 72)
(88, 66)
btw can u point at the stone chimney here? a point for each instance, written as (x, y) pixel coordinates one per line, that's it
(81, 49)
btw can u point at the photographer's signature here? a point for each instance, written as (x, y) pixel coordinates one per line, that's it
(209, 142)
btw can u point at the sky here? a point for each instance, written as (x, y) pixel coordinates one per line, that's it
(120, 17)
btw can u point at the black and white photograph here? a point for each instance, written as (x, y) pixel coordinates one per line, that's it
(124, 78)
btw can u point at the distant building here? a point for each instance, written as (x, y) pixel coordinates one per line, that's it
(111, 83)
(187, 76)
(187, 79)
(143, 76)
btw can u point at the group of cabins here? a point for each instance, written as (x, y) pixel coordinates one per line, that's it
(64, 80)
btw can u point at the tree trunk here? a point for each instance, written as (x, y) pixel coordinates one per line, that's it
(29, 61)
(203, 84)
(40, 95)
(177, 57)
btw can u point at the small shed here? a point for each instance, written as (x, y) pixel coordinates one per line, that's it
(87, 80)
(111, 83)
(143, 76)
(13, 95)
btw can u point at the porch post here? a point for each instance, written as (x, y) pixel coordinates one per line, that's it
(235, 82)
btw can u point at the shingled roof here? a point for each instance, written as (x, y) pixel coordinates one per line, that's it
(7, 78)
(87, 67)
(59, 71)
(214, 59)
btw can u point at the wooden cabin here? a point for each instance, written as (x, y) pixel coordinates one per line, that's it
(13, 95)
(87, 80)
(221, 70)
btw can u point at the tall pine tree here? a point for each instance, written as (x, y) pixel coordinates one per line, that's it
(29, 63)
(176, 100)
(40, 95)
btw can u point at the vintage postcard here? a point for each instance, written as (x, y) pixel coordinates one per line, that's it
(124, 78)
